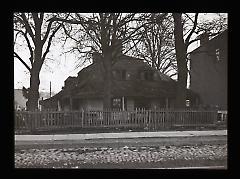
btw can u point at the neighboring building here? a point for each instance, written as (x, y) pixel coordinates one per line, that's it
(208, 70)
(45, 95)
(19, 100)
(135, 85)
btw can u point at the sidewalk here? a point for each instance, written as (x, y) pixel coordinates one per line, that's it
(126, 135)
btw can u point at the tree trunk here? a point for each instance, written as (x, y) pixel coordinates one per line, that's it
(181, 52)
(107, 90)
(32, 103)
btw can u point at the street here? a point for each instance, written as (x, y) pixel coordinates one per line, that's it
(208, 151)
(124, 157)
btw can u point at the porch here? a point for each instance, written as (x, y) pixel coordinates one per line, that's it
(117, 103)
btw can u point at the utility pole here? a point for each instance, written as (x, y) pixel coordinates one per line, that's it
(50, 90)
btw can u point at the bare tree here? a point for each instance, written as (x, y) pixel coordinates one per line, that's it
(157, 44)
(37, 31)
(108, 32)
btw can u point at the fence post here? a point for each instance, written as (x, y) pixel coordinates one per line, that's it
(16, 121)
(150, 120)
(82, 117)
(32, 121)
(166, 117)
(215, 114)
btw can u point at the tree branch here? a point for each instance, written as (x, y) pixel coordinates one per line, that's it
(41, 16)
(174, 74)
(47, 32)
(135, 44)
(83, 24)
(49, 42)
(134, 31)
(21, 60)
(64, 20)
(35, 18)
(28, 28)
(192, 31)
(28, 43)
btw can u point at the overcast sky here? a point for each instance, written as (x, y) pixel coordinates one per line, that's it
(56, 71)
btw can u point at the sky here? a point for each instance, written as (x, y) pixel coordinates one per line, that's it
(56, 71)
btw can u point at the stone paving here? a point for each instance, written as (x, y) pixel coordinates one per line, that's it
(76, 157)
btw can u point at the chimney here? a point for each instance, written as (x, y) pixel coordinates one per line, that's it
(204, 38)
(118, 48)
(69, 81)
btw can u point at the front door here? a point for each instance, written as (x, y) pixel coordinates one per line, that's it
(142, 103)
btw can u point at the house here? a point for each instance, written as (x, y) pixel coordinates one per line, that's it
(208, 71)
(135, 85)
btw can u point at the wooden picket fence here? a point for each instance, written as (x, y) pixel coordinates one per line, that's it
(142, 119)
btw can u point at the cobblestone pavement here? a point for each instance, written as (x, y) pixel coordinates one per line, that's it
(78, 157)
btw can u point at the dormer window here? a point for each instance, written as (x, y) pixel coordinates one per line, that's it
(120, 75)
(146, 75)
(149, 75)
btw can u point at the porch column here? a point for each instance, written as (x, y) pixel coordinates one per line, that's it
(123, 107)
(70, 103)
(59, 105)
(166, 102)
(196, 102)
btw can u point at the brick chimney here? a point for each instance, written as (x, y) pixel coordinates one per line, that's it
(204, 38)
(69, 81)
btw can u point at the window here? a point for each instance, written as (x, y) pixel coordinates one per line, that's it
(217, 51)
(128, 76)
(123, 74)
(116, 103)
(119, 103)
(141, 75)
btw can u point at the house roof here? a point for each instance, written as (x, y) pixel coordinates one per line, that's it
(131, 88)
(89, 83)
